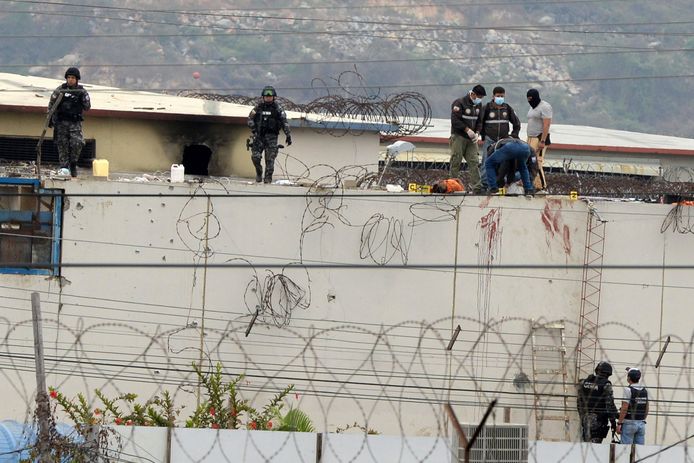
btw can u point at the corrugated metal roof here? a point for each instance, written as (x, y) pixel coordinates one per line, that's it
(29, 93)
(579, 137)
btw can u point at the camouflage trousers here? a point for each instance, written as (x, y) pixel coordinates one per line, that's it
(594, 427)
(68, 138)
(268, 144)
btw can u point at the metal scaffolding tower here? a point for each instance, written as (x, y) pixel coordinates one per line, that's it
(590, 293)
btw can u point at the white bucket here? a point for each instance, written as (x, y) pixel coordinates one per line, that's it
(177, 173)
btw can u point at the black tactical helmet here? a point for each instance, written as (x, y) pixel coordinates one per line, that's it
(73, 71)
(603, 369)
(269, 90)
(634, 374)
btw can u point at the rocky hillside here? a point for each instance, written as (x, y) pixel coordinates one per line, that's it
(602, 63)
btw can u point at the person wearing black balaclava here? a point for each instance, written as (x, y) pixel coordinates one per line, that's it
(539, 122)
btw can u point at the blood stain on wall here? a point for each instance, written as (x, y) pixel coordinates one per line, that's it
(555, 227)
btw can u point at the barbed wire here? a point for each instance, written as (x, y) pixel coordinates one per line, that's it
(589, 183)
(379, 388)
(277, 296)
(344, 110)
(678, 174)
(680, 219)
(273, 297)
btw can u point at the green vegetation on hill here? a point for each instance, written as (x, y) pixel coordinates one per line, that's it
(606, 64)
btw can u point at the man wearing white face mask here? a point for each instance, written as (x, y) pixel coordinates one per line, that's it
(494, 124)
(463, 140)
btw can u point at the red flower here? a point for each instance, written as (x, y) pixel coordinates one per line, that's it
(215, 426)
(253, 425)
(212, 411)
(97, 411)
(119, 420)
(233, 413)
(129, 423)
(53, 394)
(269, 425)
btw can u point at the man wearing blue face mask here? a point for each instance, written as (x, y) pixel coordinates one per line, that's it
(463, 140)
(495, 123)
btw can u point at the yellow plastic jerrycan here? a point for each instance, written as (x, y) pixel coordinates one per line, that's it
(100, 167)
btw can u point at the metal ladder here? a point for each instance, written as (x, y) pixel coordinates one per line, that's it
(550, 376)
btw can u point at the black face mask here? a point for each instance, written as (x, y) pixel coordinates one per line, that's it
(533, 98)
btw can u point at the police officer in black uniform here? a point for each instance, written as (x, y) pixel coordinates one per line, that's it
(494, 124)
(265, 120)
(463, 141)
(595, 402)
(72, 100)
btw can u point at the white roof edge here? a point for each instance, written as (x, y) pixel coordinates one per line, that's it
(31, 91)
(584, 136)
(18, 90)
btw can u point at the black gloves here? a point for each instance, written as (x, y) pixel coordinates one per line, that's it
(288, 140)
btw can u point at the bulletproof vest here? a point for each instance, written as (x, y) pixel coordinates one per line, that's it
(70, 108)
(637, 404)
(268, 118)
(592, 390)
(466, 111)
(496, 121)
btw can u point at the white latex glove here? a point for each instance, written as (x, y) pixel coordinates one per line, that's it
(471, 133)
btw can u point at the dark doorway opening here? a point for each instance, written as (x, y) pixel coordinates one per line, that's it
(196, 159)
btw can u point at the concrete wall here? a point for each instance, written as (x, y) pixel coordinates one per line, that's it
(205, 445)
(600, 453)
(202, 445)
(364, 345)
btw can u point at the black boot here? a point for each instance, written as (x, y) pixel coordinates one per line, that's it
(73, 169)
(258, 173)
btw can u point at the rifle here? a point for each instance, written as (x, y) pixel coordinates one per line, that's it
(46, 124)
(255, 141)
(616, 438)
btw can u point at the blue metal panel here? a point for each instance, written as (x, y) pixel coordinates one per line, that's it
(57, 230)
(25, 271)
(45, 219)
(19, 181)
